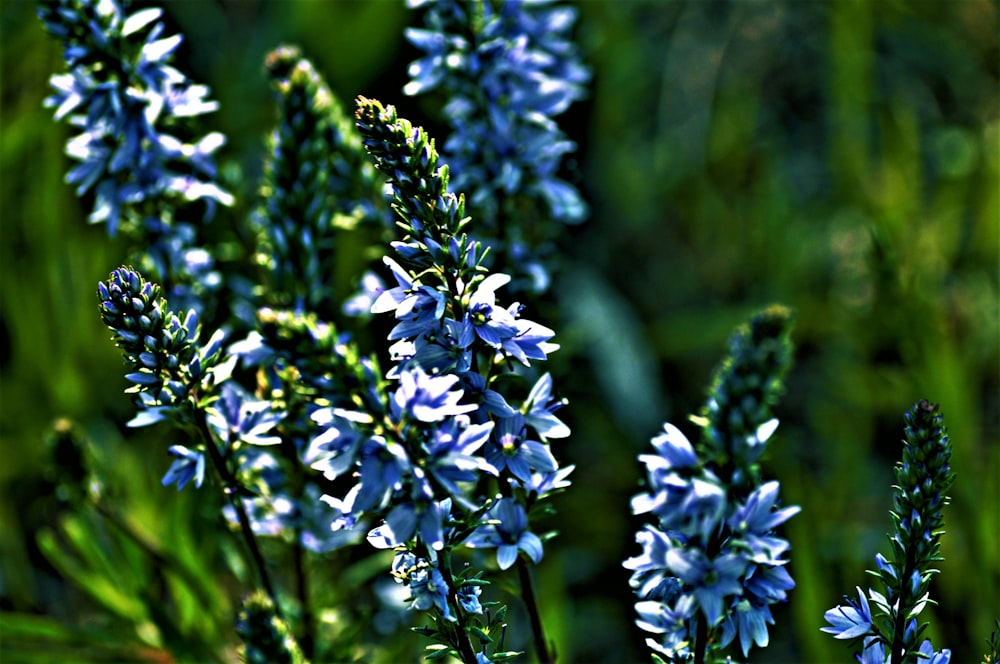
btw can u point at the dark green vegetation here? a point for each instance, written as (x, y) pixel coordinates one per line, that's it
(841, 158)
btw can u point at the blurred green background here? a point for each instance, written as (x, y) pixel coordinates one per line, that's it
(839, 157)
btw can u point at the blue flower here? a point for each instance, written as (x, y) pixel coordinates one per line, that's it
(190, 464)
(932, 657)
(237, 416)
(506, 528)
(451, 456)
(428, 398)
(750, 621)
(539, 410)
(755, 521)
(419, 308)
(650, 578)
(427, 586)
(712, 580)
(513, 451)
(851, 621)
(491, 323)
(675, 452)
(671, 622)
(421, 515)
(382, 467)
(468, 599)
(544, 484)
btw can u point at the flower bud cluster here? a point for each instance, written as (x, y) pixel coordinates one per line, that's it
(316, 179)
(712, 564)
(169, 366)
(267, 638)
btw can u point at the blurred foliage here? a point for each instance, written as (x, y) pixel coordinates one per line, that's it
(838, 157)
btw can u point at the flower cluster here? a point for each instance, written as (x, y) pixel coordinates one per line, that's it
(712, 564)
(922, 478)
(508, 69)
(125, 98)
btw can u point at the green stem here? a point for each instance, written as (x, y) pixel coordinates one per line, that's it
(545, 656)
(308, 639)
(903, 606)
(229, 488)
(463, 642)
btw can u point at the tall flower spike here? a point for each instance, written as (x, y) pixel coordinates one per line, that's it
(317, 178)
(922, 478)
(508, 69)
(451, 332)
(713, 564)
(124, 96)
(121, 92)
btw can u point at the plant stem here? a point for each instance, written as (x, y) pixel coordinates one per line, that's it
(700, 640)
(465, 649)
(903, 606)
(308, 639)
(545, 656)
(229, 487)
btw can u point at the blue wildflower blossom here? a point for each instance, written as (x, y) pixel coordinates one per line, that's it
(712, 580)
(670, 622)
(750, 621)
(237, 416)
(468, 599)
(421, 516)
(428, 588)
(428, 398)
(190, 464)
(506, 529)
(382, 466)
(650, 578)
(545, 484)
(492, 324)
(850, 621)
(451, 456)
(932, 657)
(539, 410)
(512, 450)
(757, 518)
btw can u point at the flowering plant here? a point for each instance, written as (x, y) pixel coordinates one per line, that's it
(391, 455)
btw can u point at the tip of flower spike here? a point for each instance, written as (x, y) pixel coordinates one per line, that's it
(280, 62)
(774, 321)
